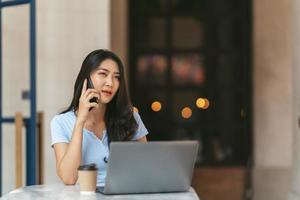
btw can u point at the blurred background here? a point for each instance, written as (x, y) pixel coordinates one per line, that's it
(223, 72)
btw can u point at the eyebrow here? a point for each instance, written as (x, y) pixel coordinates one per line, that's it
(108, 70)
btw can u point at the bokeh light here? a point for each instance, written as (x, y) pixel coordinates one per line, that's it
(156, 106)
(202, 103)
(186, 112)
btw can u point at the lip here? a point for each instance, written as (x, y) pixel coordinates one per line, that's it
(106, 92)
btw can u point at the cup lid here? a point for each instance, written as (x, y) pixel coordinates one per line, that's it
(91, 166)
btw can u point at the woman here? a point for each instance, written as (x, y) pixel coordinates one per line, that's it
(82, 133)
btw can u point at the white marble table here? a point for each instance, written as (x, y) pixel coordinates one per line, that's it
(63, 192)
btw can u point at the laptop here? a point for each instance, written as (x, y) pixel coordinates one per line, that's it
(152, 167)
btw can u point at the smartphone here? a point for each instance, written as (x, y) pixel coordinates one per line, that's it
(90, 85)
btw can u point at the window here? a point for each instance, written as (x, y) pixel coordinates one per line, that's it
(183, 51)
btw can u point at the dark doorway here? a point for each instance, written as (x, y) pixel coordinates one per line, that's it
(182, 51)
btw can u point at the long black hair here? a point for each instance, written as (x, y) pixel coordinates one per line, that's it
(119, 119)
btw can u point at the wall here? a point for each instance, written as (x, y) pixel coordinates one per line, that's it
(273, 99)
(119, 28)
(295, 190)
(272, 85)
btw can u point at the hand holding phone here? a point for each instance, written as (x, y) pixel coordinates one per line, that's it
(85, 104)
(90, 85)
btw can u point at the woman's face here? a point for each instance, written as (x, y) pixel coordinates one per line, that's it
(106, 80)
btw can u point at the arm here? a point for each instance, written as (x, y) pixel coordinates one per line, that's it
(141, 132)
(142, 139)
(68, 155)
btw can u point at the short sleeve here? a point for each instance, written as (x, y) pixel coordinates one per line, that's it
(58, 134)
(141, 131)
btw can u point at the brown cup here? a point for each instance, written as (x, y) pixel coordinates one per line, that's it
(87, 176)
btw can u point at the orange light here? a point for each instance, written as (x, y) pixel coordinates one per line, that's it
(156, 106)
(206, 104)
(135, 109)
(186, 112)
(202, 103)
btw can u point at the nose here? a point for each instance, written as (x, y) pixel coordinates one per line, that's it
(109, 81)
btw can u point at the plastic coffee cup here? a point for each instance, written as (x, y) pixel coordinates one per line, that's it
(87, 176)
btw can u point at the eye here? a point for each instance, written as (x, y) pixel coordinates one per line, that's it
(117, 77)
(102, 73)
